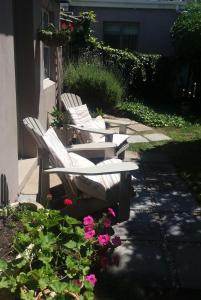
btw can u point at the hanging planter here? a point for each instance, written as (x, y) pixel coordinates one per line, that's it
(54, 38)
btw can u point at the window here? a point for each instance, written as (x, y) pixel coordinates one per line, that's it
(121, 35)
(47, 18)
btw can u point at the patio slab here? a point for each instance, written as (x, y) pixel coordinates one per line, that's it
(141, 226)
(157, 137)
(140, 127)
(133, 139)
(181, 227)
(175, 201)
(188, 264)
(142, 263)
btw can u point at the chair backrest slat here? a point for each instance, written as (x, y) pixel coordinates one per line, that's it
(70, 100)
(35, 128)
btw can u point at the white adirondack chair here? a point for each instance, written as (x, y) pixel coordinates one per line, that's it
(94, 186)
(93, 130)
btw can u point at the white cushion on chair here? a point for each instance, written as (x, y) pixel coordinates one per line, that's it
(81, 117)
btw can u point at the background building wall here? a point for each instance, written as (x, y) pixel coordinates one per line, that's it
(8, 118)
(154, 25)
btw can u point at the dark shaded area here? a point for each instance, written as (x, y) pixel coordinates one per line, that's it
(126, 289)
(4, 200)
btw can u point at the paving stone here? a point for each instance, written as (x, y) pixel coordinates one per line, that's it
(140, 127)
(175, 201)
(131, 155)
(133, 139)
(188, 264)
(182, 227)
(140, 226)
(157, 137)
(143, 263)
(142, 199)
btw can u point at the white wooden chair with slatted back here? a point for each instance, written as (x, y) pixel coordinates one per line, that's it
(89, 129)
(94, 186)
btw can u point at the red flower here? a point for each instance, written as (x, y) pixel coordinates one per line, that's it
(104, 262)
(64, 25)
(107, 223)
(68, 202)
(71, 27)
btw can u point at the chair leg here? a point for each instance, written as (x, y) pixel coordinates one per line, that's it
(43, 179)
(124, 196)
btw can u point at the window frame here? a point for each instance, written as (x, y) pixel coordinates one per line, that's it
(122, 26)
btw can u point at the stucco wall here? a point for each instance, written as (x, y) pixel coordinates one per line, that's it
(8, 120)
(154, 24)
(33, 99)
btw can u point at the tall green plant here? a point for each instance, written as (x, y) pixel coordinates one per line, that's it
(96, 84)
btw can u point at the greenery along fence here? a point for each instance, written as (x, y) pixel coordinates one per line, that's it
(140, 72)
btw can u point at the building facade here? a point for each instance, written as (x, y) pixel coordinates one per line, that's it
(27, 82)
(141, 25)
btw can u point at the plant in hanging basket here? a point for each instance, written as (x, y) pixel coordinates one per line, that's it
(53, 37)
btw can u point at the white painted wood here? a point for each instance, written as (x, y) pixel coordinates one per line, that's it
(101, 131)
(97, 170)
(90, 146)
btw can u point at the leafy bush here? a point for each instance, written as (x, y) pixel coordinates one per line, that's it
(53, 255)
(142, 113)
(139, 71)
(96, 85)
(186, 32)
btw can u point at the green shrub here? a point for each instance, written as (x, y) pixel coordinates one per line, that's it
(96, 85)
(139, 72)
(148, 116)
(186, 33)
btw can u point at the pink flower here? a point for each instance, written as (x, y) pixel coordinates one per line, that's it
(103, 239)
(107, 222)
(68, 202)
(104, 262)
(89, 234)
(91, 278)
(88, 220)
(116, 241)
(111, 212)
(88, 227)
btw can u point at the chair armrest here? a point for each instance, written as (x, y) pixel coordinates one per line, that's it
(97, 170)
(93, 130)
(90, 146)
(118, 122)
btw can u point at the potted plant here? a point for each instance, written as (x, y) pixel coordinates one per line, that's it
(53, 37)
(59, 121)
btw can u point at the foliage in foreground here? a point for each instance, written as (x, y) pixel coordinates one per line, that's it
(148, 116)
(96, 85)
(54, 255)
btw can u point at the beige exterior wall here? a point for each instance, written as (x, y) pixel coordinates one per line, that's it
(8, 117)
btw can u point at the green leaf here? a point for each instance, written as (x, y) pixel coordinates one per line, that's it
(58, 286)
(45, 259)
(71, 221)
(71, 244)
(27, 295)
(3, 265)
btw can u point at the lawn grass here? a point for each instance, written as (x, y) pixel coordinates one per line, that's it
(184, 150)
